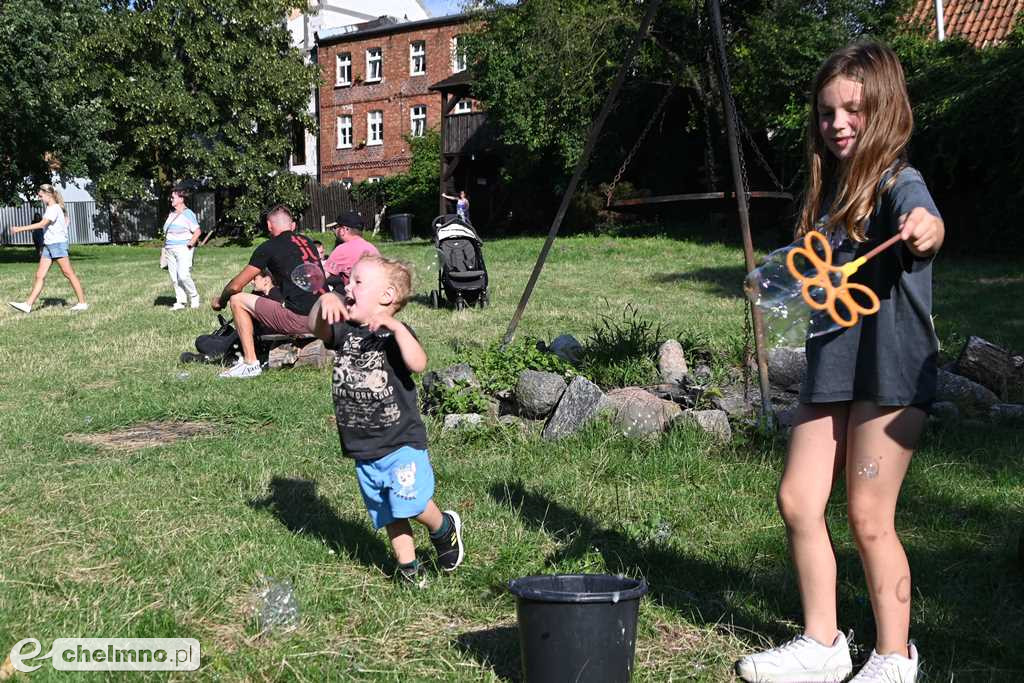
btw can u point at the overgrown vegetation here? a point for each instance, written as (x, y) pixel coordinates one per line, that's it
(499, 370)
(622, 351)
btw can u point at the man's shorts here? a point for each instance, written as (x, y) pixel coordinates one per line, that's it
(55, 251)
(396, 486)
(278, 318)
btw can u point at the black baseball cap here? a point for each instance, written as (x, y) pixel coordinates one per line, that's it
(349, 219)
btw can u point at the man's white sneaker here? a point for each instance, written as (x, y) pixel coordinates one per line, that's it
(20, 305)
(81, 306)
(196, 303)
(889, 668)
(177, 306)
(243, 369)
(801, 660)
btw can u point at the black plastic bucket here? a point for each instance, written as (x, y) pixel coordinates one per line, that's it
(577, 627)
(401, 226)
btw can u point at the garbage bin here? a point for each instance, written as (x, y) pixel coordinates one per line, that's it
(401, 226)
(577, 627)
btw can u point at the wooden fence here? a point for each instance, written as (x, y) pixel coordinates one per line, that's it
(327, 201)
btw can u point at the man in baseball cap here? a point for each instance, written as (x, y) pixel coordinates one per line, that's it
(348, 228)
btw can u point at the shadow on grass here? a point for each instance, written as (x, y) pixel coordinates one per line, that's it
(164, 300)
(29, 255)
(295, 503)
(495, 648)
(726, 281)
(691, 586)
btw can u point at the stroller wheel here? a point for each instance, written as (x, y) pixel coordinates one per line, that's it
(460, 304)
(435, 299)
(483, 300)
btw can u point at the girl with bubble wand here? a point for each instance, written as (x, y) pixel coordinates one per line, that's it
(867, 384)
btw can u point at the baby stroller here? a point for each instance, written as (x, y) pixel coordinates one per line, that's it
(461, 273)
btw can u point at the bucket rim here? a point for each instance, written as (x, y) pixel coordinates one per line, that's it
(522, 589)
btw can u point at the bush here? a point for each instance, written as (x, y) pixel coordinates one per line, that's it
(499, 370)
(414, 191)
(457, 400)
(622, 352)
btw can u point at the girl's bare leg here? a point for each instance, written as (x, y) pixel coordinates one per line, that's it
(815, 457)
(40, 279)
(881, 441)
(69, 273)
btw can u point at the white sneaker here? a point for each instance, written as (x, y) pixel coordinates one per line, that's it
(801, 660)
(80, 307)
(20, 305)
(177, 306)
(196, 303)
(889, 668)
(243, 369)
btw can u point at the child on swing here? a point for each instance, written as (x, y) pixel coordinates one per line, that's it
(863, 399)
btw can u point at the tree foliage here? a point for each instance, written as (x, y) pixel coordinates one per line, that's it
(414, 191)
(206, 91)
(44, 113)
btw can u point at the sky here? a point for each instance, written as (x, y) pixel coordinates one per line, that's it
(439, 8)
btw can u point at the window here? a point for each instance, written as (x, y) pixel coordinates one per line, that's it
(374, 179)
(417, 58)
(298, 144)
(418, 120)
(374, 65)
(375, 128)
(343, 69)
(344, 131)
(347, 183)
(464, 106)
(458, 54)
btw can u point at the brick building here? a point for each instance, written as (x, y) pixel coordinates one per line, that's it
(375, 92)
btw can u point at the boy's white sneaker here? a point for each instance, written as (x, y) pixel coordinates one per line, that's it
(81, 306)
(177, 306)
(20, 305)
(196, 303)
(801, 660)
(889, 668)
(243, 369)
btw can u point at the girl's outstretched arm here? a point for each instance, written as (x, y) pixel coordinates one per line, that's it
(922, 232)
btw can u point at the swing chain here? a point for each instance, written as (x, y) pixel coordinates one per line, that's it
(629, 157)
(760, 157)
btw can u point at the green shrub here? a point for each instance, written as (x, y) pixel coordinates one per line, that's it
(460, 399)
(622, 352)
(499, 370)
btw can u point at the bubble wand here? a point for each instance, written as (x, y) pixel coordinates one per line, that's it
(832, 282)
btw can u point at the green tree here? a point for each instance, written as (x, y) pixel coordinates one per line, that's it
(44, 112)
(414, 191)
(205, 91)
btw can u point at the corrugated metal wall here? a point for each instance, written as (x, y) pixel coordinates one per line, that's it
(90, 224)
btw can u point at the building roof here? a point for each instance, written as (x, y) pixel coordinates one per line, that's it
(982, 23)
(383, 26)
(457, 81)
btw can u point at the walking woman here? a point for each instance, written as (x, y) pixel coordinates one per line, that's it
(181, 230)
(55, 248)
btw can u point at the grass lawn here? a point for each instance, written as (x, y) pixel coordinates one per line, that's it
(169, 541)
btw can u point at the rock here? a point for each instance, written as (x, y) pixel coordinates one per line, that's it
(460, 373)
(786, 366)
(945, 411)
(713, 422)
(672, 362)
(639, 413)
(537, 393)
(580, 404)
(969, 397)
(516, 422)
(282, 356)
(313, 354)
(461, 420)
(732, 402)
(1007, 412)
(567, 348)
(700, 376)
(674, 392)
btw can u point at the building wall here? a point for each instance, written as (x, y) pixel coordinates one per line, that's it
(394, 95)
(338, 13)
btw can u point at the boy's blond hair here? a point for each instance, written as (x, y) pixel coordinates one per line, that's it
(399, 276)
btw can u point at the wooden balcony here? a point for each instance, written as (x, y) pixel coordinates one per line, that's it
(468, 133)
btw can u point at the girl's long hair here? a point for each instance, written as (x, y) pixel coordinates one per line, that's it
(887, 122)
(55, 193)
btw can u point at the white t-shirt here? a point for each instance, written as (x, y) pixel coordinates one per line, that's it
(57, 230)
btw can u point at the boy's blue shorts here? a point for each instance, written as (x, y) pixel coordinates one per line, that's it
(396, 486)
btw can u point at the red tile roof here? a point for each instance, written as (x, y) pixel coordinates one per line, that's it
(982, 23)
